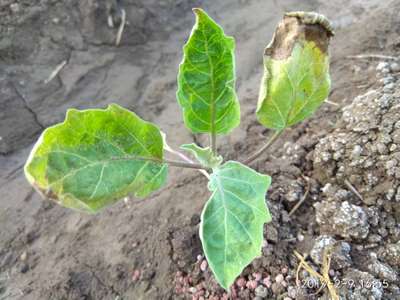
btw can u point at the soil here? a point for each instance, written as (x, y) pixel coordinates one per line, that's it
(343, 162)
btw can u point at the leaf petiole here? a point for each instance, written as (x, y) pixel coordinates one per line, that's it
(172, 163)
(181, 155)
(268, 144)
(182, 164)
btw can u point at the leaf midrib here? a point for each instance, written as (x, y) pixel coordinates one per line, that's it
(212, 100)
(219, 186)
(227, 211)
(104, 162)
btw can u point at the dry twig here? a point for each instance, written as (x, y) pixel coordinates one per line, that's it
(331, 102)
(373, 56)
(323, 278)
(55, 72)
(298, 204)
(353, 189)
(121, 27)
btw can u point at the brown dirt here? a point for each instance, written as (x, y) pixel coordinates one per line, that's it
(48, 252)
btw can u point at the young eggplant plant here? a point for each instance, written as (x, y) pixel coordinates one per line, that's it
(98, 156)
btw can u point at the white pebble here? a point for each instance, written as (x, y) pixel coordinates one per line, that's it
(203, 265)
(14, 7)
(24, 256)
(279, 278)
(395, 67)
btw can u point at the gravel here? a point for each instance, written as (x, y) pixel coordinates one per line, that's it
(345, 219)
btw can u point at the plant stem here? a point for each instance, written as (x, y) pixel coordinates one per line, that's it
(256, 154)
(213, 138)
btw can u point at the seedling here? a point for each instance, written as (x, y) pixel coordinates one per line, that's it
(98, 156)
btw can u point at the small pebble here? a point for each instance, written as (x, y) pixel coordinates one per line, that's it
(388, 87)
(241, 282)
(135, 275)
(279, 278)
(15, 7)
(200, 293)
(261, 291)
(277, 288)
(300, 237)
(203, 265)
(251, 284)
(382, 65)
(24, 268)
(257, 276)
(387, 80)
(267, 281)
(199, 257)
(285, 270)
(395, 67)
(23, 256)
(292, 292)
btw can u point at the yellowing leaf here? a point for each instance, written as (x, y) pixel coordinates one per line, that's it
(95, 157)
(296, 70)
(232, 221)
(206, 79)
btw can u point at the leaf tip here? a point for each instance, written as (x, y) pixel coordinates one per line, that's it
(300, 27)
(197, 11)
(201, 15)
(71, 112)
(114, 106)
(312, 18)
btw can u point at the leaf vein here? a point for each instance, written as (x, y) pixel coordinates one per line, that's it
(241, 224)
(244, 202)
(98, 182)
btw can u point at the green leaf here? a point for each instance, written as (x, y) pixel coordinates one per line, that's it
(96, 157)
(204, 156)
(206, 79)
(232, 221)
(296, 71)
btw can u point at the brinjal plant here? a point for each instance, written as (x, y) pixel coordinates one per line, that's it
(98, 156)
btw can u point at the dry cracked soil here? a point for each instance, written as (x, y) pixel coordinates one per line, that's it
(342, 165)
